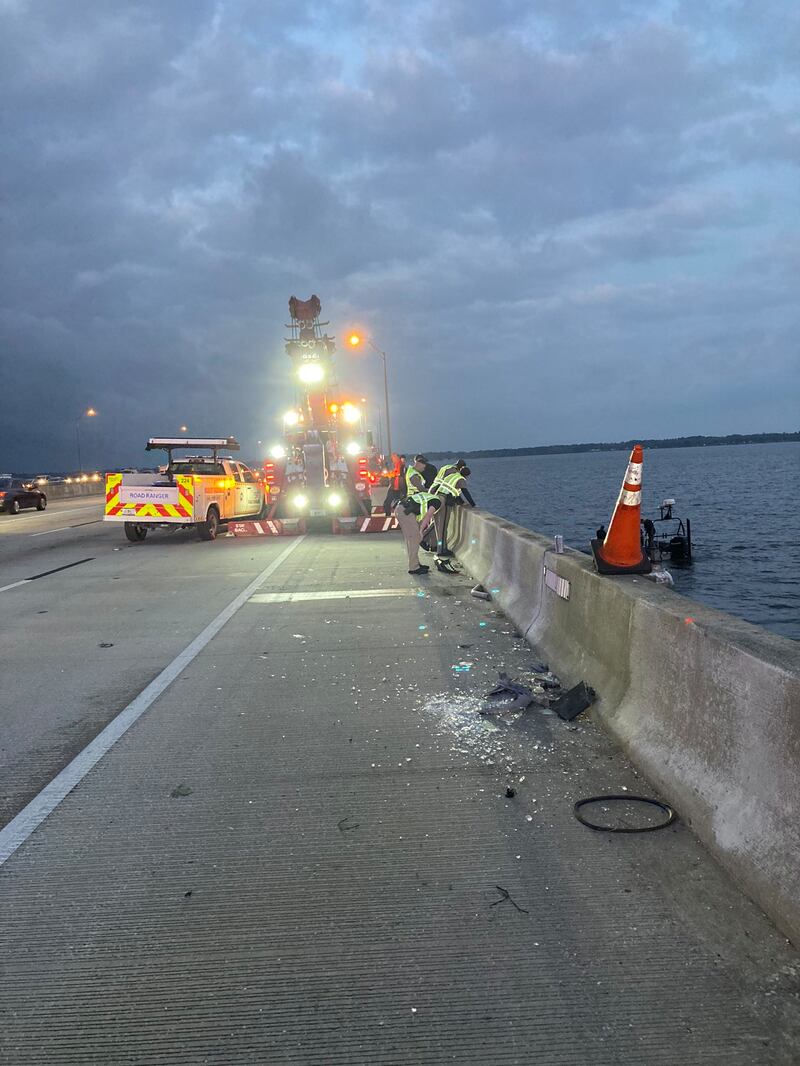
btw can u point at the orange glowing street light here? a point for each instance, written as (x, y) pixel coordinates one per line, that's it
(355, 340)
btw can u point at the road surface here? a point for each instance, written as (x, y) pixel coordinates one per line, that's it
(302, 851)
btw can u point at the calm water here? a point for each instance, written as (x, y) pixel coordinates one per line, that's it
(742, 501)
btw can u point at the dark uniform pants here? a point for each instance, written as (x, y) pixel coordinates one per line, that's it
(440, 521)
(409, 527)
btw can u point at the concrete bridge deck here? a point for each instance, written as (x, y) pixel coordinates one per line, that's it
(293, 855)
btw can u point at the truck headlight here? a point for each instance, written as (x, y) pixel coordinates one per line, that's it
(335, 499)
(300, 502)
(310, 373)
(353, 448)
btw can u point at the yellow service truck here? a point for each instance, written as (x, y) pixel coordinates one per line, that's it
(200, 491)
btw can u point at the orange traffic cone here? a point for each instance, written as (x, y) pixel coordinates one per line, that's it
(621, 552)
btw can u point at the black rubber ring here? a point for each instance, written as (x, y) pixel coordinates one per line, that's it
(665, 807)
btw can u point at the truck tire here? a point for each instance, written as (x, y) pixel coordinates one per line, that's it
(208, 530)
(134, 533)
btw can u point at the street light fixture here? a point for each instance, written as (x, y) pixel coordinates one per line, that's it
(184, 429)
(355, 340)
(88, 413)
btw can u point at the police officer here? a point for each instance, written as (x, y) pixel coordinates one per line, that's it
(415, 476)
(414, 514)
(451, 488)
(448, 468)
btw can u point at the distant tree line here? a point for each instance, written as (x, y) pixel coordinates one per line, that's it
(626, 445)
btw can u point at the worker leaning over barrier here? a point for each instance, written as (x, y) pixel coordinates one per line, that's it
(414, 514)
(451, 487)
(448, 468)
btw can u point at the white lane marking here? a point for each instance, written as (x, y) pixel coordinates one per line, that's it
(29, 818)
(80, 525)
(16, 584)
(52, 513)
(353, 594)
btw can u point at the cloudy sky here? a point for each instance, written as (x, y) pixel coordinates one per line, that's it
(564, 220)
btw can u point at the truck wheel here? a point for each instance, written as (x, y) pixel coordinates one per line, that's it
(208, 530)
(134, 533)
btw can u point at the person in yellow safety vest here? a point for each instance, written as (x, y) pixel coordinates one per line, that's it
(451, 488)
(448, 468)
(414, 514)
(415, 476)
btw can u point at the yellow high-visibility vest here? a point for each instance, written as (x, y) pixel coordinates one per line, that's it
(423, 499)
(411, 487)
(447, 484)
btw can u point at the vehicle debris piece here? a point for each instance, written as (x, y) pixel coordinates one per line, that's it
(507, 696)
(480, 593)
(343, 827)
(181, 790)
(571, 703)
(505, 895)
(510, 792)
(669, 812)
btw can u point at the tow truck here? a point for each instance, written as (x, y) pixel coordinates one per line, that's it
(323, 472)
(192, 491)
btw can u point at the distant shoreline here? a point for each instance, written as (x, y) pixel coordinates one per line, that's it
(625, 445)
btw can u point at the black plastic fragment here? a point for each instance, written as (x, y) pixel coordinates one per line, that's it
(574, 701)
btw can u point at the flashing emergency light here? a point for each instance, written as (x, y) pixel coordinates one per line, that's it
(353, 448)
(310, 373)
(333, 408)
(350, 412)
(300, 501)
(354, 340)
(291, 418)
(278, 452)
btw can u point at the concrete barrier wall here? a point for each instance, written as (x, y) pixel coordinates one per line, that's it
(706, 705)
(61, 491)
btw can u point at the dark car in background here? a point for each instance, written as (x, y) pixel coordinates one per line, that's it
(16, 494)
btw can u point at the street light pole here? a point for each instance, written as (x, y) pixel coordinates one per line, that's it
(382, 354)
(90, 413)
(355, 340)
(78, 439)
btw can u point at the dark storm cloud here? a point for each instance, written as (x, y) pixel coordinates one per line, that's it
(530, 206)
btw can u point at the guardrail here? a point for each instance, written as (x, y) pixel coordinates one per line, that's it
(707, 705)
